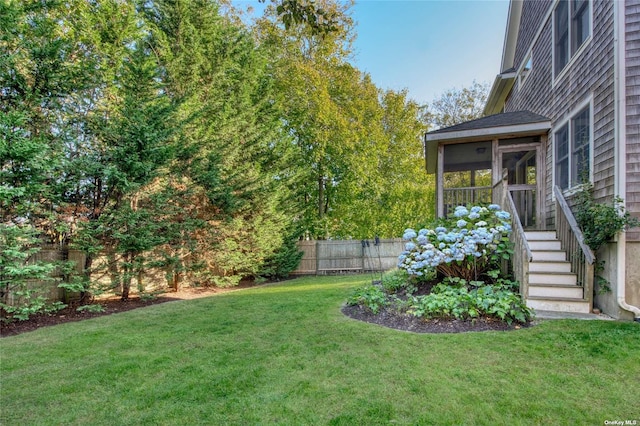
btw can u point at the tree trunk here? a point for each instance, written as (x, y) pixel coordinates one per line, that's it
(126, 278)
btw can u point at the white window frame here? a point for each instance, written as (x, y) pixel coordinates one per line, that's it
(525, 69)
(572, 55)
(573, 186)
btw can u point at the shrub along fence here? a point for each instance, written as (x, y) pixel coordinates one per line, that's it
(332, 257)
(49, 289)
(320, 257)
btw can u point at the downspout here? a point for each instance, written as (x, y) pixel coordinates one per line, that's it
(620, 146)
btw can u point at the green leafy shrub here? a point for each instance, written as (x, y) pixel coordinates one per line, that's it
(447, 301)
(470, 242)
(285, 260)
(600, 222)
(371, 296)
(93, 308)
(21, 278)
(394, 280)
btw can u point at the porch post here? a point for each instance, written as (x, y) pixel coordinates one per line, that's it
(541, 167)
(496, 167)
(440, 182)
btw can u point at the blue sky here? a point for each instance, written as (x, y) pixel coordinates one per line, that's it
(427, 46)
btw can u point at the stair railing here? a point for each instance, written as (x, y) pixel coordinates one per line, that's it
(521, 252)
(580, 255)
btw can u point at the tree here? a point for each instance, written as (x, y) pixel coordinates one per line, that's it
(36, 73)
(456, 106)
(231, 152)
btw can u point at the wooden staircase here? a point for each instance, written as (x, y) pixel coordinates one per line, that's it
(551, 284)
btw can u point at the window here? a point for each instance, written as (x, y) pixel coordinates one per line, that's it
(526, 68)
(573, 150)
(571, 28)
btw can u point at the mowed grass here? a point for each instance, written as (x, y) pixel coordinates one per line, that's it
(284, 354)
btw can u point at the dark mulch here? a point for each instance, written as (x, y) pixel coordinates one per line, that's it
(402, 321)
(111, 305)
(406, 322)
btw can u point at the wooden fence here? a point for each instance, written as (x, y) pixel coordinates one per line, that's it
(329, 257)
(51, 253)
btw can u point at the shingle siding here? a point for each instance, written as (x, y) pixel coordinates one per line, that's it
(632, 76)
(589, 74)
(533, 13)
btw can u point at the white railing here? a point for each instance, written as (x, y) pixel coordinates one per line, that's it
(453, 197)
(521, 252)
(580, 255)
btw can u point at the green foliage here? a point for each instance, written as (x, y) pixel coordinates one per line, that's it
(600, 222)
(456, 106)
(370, 296)
(93, 308)
(357, 150)
(169, 138)
(284, 260)
(306, 12)
(603, 285)
(23, 280)
(395, 280)
(446, 301)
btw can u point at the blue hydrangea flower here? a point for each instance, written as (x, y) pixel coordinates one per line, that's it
(475, 209)
(474, 216)
(409, 234)
(493, 207)
(503, 215)
(440, 229)
(461, 211)
(461, 223)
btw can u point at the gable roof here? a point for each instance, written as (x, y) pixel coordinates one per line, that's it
(497, 124)
(504, 125)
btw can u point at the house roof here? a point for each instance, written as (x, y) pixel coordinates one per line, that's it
(507, 119)
(502, 126)
(504, 81)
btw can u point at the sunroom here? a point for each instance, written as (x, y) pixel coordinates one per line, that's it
(501, 152)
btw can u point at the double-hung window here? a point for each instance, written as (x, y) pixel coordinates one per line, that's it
(571, 28)
(573, 150)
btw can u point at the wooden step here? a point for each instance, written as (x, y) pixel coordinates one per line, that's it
(551, 255)
(554, 291)
(549, 266)
(558, 304)
(553, 278)
(540, 235)
(544, 245)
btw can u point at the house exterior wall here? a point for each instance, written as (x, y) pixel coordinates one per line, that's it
(605, 299)
(589, 75)
(533, 15)
(632, 97)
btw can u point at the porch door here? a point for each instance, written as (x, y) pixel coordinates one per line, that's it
(524, 181)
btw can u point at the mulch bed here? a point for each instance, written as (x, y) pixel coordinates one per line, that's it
(406, 322)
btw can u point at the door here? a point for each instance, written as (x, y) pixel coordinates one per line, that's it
(524, 182)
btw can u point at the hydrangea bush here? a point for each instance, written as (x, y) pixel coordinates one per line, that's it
(467, 244)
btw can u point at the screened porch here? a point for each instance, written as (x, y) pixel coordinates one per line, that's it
(470, 159)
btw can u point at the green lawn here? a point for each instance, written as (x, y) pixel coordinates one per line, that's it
(284, 354)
